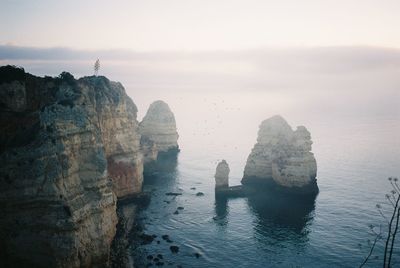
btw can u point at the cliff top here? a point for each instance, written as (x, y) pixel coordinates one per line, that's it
(26, 97)
(34, 92)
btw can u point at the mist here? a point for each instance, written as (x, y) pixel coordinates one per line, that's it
(346, 81)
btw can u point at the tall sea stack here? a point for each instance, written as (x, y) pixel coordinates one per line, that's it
(159, 126)
(282, 159)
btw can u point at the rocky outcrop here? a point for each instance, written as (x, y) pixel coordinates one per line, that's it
(61, 141)
(222, 188)
(158, 126)
(116, 115)
(282, 158)
(222, 175)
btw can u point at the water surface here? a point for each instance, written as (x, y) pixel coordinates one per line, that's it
(355, 155)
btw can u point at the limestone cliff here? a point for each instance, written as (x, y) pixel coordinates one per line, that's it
(158, 126)
(116, 115)
(61, 141)
(282, 158)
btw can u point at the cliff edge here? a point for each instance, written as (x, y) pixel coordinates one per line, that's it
(68, 149)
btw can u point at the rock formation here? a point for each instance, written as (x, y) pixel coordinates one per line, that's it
(116, 115)
(158, 126)
(149, 150)
(61, 140)
(282, 158)
(222, 175)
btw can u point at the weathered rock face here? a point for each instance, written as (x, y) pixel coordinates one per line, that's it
(222, 175)
(116, 115)
(282, 157)
(59, 144)
(158, 125)
(149, 150)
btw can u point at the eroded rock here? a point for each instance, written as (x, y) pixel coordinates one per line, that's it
(116, 114)
(159, 126)
(282, 158)
(222, 175)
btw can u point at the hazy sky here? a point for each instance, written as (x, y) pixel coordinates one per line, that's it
(199, 25)
(326, 56)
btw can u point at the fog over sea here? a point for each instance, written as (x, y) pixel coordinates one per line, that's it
(348, 98)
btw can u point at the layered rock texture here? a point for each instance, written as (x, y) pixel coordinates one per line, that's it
(282, 158)
(159, 126)
(116, 115)
(67, 149)
(222, 175)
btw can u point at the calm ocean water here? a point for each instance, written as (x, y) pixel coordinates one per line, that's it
(355, 155)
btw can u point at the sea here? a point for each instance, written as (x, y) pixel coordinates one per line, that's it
(356, 152)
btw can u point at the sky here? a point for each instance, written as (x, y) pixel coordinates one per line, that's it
(194, 25)
(324, 57)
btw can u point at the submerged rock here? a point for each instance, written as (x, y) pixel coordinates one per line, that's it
(159, 126)
(174, 249)
(173, 194)
(146, 239)
(282, 158)
(222, 175)
(165, 237)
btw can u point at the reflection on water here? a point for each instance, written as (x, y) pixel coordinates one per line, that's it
(221, 210)
(282, 219)
(275, 209)
(277, 214)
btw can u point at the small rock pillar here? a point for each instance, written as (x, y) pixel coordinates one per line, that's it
(222, 175)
